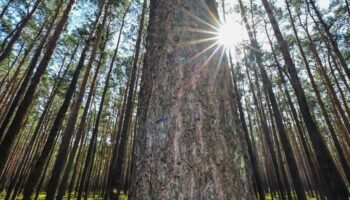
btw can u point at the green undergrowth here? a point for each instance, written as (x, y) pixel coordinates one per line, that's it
(122, 197)
(73, 197)
(269, 197)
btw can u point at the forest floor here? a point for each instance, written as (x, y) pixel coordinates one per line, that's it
(123, 197)
(269, 197)
(43, 195)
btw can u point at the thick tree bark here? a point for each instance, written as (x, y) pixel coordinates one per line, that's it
(189, 145)
(336, 186)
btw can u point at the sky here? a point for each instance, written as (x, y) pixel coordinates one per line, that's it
(323, 3)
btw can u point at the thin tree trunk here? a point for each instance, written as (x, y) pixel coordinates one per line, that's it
(336, 186)
(288, 151)
(117, 183)
(8, 87)
(29, 95)
(3, 11)
(330, 38)
(6, 52)
(23, 108)
(24, 85)
(89, 157)
(68, 133)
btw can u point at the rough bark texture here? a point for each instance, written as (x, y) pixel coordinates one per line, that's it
(190, 144)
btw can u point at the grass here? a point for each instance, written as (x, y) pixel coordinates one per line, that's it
(73, 197)
(269, 197)
(122, 197)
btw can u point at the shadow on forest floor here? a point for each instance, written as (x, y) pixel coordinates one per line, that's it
(122, 197)
(73, 197)
(269, 197)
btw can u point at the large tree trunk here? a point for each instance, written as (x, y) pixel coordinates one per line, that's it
(190, 143)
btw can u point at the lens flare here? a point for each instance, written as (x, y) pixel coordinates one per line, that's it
(228, 34)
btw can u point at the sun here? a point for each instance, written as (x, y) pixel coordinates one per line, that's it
(229, 34)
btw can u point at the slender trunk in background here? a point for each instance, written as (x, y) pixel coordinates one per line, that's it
(23, 108)
(286, 144)
(266, 133)
(68, 133)
(115, 145)
(38, 169)
(330, 37)
(335, 99)
(320, 183)
(79, 136)
(3, 11)
(43, 116)
(6, 77)
(7, 90)
(81, 128)
(252, 157)
(26, 80)
(348, 9)
(7, 51)
(116, 185)
(91, 149)
(111, 168)
(336, 186)
(189, 129)
(109, 73)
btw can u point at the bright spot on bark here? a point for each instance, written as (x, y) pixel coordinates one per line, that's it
(115, 191)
